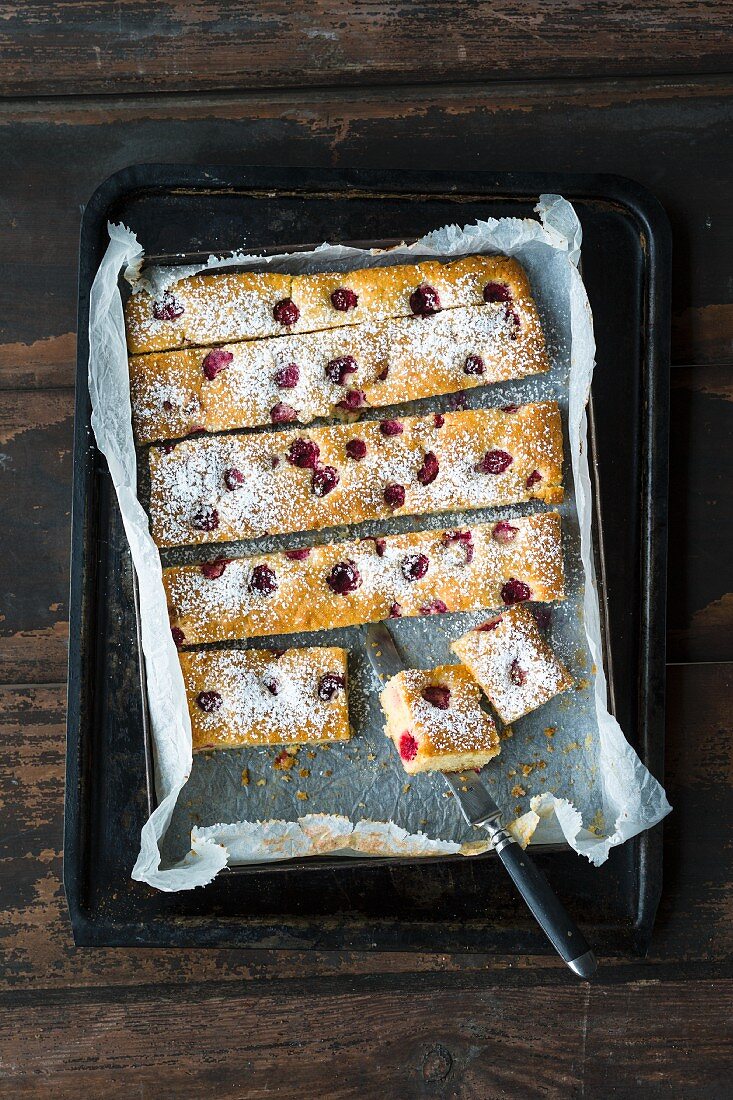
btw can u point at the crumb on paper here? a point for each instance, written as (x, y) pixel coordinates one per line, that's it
(292, 750)
(517, 810)
(311, 755)
(328, 772)
(550, 731)
(511, 773)
(447, 794)
(304, 773)
(283, 761)
(406, 788)
(517, 791)
(527, 769)
(261, 782)
(582, 683)
(570, 747)
(302, 796)
(371, 756)
(506, 733)
(245, 777)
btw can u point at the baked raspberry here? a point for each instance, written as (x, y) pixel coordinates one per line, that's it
(515, 591)
(212, 570)
(298, 555)
(437, 695)
(504, 532)
(474, 365)
(510, 408)
(263, 580)
(429, 470)
(168, 406)
(533, 478)
(206, 519)
(464, 537)
(438, 420)
(168, 448)
(490, 624)
(287, 378)
(414, 566)
(167, 308)
(343, 299)
(303, 453)
(215, 362)
(233, 479)
(517, 675)
(407, 746)
(512, 317)
(344, 578)
(178, 636)
(494, 462)
(352, 400)
(394, 495)
(275, 462)
(329, 684)
(209, 701)
(356, 449)
(391, 427)
(282, 414)
(435, 607)
(497, 292)
(425, 300)
(395, 611)
(382, 376)
(324, 479)
(197, 429)
(337, 369)
(272, 684)
(286, 312)
(380, 545)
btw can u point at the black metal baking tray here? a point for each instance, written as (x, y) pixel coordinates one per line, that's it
(439, 904)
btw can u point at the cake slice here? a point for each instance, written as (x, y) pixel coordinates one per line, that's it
(224, 488)
(435, 720)
(363, 581)
(266, 697)
(223, 307)
(513, 663)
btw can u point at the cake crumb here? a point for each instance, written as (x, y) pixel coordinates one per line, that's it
(283, 761)
(570, 747)
(506, 733)
(517, 791)
(261, 782)
(304, 773)
(511, 773)
(302, 796)
(550, 731)
(328, 772)
(406, 788)
(245, 777)
(371, 756)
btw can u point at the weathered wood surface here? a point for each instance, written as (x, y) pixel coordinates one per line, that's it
(126, 46)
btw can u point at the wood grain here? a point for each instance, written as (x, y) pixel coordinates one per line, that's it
(91, 47)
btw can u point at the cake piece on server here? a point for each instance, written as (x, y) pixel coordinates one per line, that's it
(436, 722)
(266, 697)
(259, 382)
(222, 307)
(348, 583)
(223, 488)
(513, 663)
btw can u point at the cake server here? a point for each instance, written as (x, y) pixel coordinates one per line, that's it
(480, 810)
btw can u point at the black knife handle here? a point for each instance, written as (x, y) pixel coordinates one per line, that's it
(545, 906)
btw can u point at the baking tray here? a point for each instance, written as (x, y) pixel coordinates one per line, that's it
(439, 904)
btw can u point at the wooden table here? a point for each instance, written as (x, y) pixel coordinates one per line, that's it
(643, 91)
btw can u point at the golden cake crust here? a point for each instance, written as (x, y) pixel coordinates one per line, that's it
(276, 594)
(195, 499)
(263, 697)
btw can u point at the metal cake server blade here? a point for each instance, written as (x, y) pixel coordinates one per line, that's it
(480, 810)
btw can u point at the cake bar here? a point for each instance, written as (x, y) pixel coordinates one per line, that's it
(513, 663)
(348, 583)
(435, 720)
(266, 697)
(224, 488)
(300, 377)
(223, 307)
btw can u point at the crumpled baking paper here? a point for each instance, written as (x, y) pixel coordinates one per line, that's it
(627, 797)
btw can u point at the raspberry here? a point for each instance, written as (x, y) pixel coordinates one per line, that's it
(395, 611)
(408, 746)
(168, 448)
(209, 701)
(465, 537)
(356, 449)
(298, 555)
(382, 376)
(286, 312)
(324, 480)
(328, 685)
(215, 362)
(304, 454)
(206, 519)
(178, 636)
(474, 365)
(287, 378)
(517, 675)
(168, 308)
(497, 292)
(494, 462)
(391, 427)
(272, 684)
(352, 400)
(504, 532)
(344, 578)
(438, 420)
(414, 566)
(515, 591)
(337, 369)
(491, 624)
(282, 414)
(168, 406)
(425, 300)
(394, 495)
(533, 478)
(233, 479)
(212, 570)
(263, 580)
(435, 607)
(429, 469)
(437, 695)
(344, 299)
(510, 408)
(380, 545)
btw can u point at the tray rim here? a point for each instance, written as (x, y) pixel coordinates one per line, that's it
(92, 928)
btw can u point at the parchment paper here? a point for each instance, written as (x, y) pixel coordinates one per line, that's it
(565, 772)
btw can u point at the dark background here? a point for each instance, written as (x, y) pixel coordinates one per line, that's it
(639, 90)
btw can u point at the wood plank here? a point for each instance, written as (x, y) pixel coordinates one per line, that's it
(62, 150)
(35, 940)
(52, 48)
(638, 1039)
